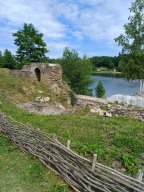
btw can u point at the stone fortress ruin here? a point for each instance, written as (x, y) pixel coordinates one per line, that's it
(47, 73)
(50, 75)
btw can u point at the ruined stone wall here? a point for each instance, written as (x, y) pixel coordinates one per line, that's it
(20, 73)
(49, 73)
(87, 101)
(130, 112)
(102, 107)
(126, 100)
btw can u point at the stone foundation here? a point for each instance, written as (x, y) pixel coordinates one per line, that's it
(130, 112)
(20, 73)
(87, 101)
(45, 72)
(102, 107)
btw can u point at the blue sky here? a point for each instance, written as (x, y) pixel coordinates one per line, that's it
(89, 26)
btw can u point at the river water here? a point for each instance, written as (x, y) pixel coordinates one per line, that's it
(115, 85)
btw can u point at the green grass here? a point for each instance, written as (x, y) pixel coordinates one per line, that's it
(103, 71)
(119, 142)
(23, 90)
(113, 139)
(24, 173)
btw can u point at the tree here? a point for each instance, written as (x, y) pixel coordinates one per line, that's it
(31, 47)
(104, 61)
(1, 60)
(76, 71)
(132, 42)
(116, 61)
(100, 91)
(8, 60)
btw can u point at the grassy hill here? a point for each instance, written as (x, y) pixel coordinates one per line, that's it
(22, 90)
(119, 142)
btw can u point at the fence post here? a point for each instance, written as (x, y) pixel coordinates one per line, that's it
(93, 166)
(140, 175)
(54, 136)
(68, 144)
(94, 161)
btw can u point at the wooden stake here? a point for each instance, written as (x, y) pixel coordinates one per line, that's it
(54, 136)
(68, 144)
(139, 175)
(94, 161)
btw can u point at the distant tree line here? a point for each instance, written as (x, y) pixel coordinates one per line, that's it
(100, 61)
(105, 61)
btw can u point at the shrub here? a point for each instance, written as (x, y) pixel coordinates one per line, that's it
(100, 91)
(72, 98)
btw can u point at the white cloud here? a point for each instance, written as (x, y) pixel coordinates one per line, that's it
(18, 12)
(104, 19)
(62, 22)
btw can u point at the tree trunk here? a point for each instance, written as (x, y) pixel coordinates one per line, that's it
(141, 86)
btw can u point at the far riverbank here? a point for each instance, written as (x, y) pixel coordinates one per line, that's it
(108, 74)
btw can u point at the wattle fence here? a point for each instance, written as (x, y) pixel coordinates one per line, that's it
(81, 174)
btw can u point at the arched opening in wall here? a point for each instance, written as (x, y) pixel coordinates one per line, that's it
(38, 74)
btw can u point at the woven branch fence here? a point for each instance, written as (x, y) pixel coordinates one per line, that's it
(80, 173)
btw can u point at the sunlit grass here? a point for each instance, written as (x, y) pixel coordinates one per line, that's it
(24, 173)
(111, 138)
(119, 142)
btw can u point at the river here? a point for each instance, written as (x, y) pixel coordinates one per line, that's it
(115, 85)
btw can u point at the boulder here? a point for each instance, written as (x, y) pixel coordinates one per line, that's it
(39, 91)
(46, 99)
(108, 114)
(60, 106)
(37, 99)
(55, 88)
(97, 110)
(42, 99)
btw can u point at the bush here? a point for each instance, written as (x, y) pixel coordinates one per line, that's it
(72, 97)
(100, 91)
(7, 60)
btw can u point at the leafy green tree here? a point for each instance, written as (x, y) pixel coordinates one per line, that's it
(100, 91)
(58, 60)
(77, 71)
(116, 61)
(1, 60)
(132, 42)
(31, 47)
(104, 61)
(8, 60)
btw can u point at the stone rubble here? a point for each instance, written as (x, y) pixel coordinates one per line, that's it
(39, 91)
(46, 109)
(109, 110)
(97, 110)
(42, 99)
